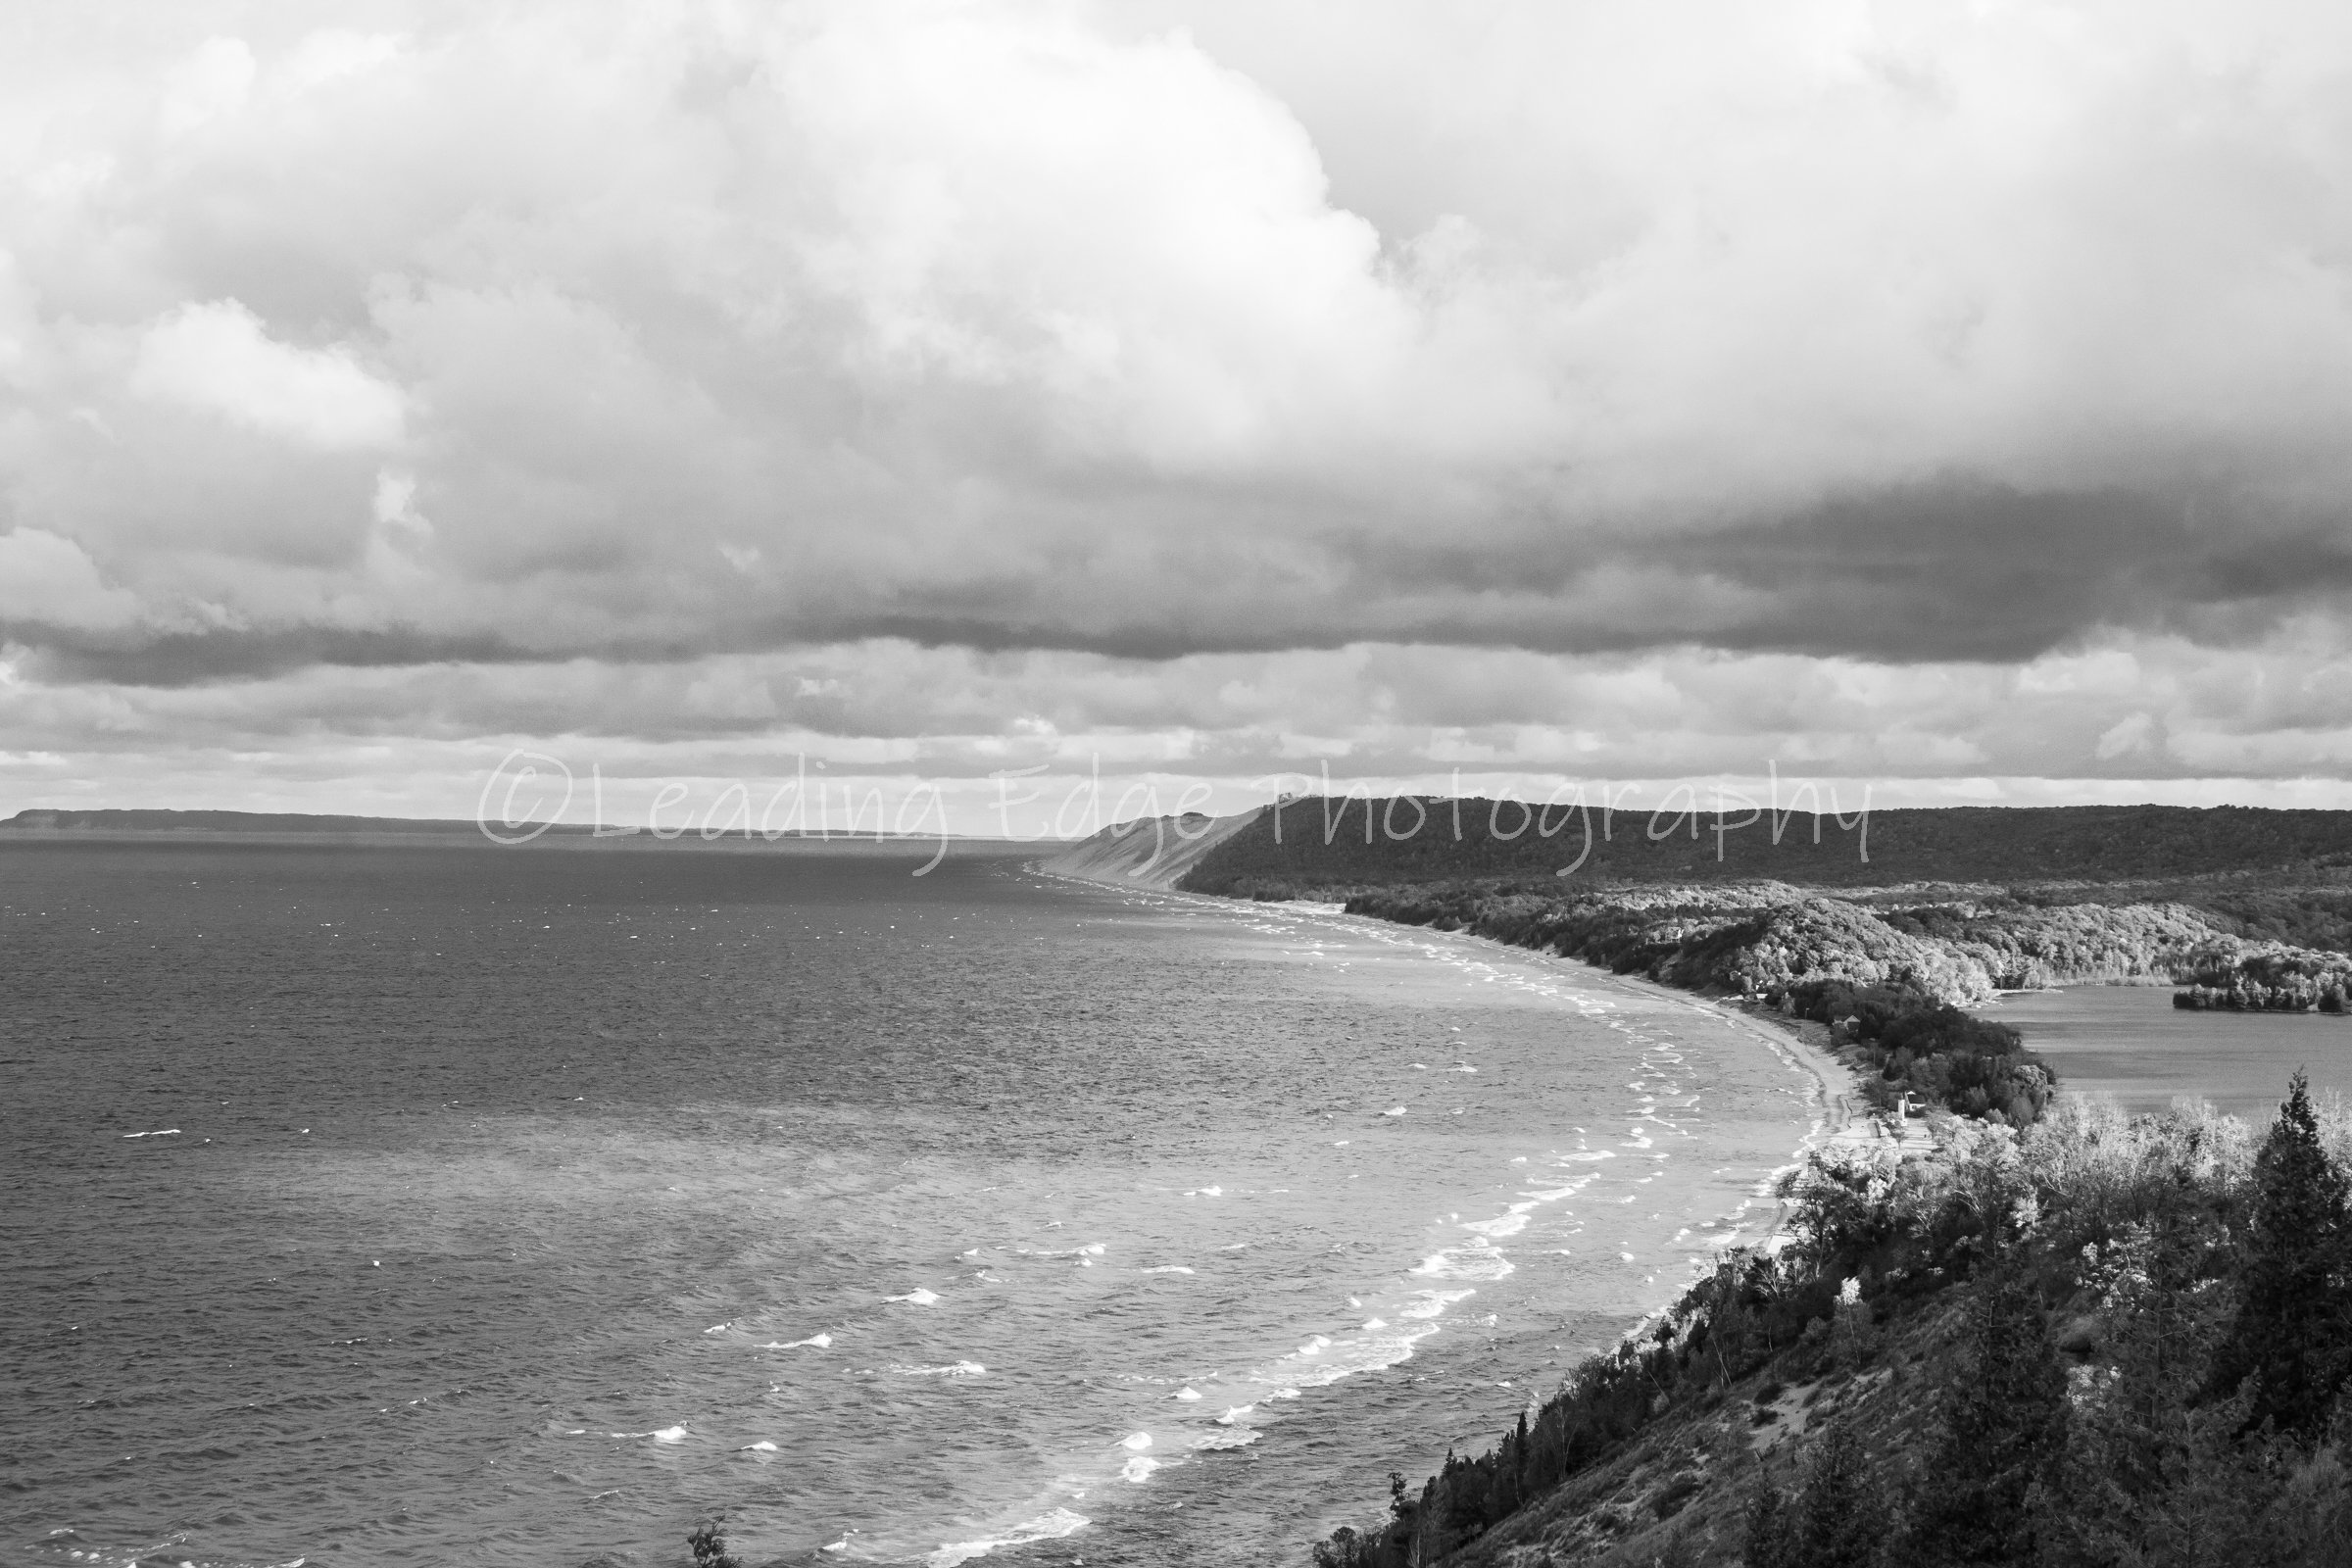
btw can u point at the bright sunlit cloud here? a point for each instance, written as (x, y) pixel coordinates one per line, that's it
(1153, 373)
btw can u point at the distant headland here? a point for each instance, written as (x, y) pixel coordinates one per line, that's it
(47, 819)
(133, 824)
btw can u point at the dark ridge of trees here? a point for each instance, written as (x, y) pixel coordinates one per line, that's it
(1316, 846)
(2132, 1337)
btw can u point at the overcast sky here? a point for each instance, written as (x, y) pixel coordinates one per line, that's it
(1957, 396)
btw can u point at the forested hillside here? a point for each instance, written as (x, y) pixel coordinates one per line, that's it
(2246, 910)
(1313, 847)
(1897, 998)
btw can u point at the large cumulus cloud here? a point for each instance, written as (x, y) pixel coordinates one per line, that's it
(409, 360)
(696, 328)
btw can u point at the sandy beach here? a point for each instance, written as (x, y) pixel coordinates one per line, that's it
(1847, 1122)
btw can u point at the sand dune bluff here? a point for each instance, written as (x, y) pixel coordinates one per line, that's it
(1147, 852)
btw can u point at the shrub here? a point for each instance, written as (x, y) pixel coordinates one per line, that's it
(709, 1547)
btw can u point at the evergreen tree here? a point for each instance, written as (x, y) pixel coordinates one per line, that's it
(2004, 1434)
(1772, 1532)
(1835, 1519)
(1828, 1524)
(2153, 1475)
(2292, 1331)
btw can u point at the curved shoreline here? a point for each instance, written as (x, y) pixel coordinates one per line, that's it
(1781, 1124)
(1840, 1121)
(1803, 1045)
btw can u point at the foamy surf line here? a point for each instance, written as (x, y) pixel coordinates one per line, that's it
(1832, 1118)
(1678, 1074)
(1051, 1526)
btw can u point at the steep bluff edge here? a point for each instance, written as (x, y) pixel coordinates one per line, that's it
(1147, 852)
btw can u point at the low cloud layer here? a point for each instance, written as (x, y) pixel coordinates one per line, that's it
(412, 367)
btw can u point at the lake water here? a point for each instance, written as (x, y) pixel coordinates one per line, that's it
(417, 1205)
(2132, 1043)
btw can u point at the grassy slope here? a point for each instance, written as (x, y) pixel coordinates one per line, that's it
(1681, 1490)
(2126, 1239)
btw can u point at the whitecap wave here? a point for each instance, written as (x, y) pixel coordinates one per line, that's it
(1433, 1303)
(1137, 1469)
(1211, 1442)
(1314, 1365)
(1049, 1526)
(953, 1369)
(1500, 1225)
(821, 1341)
(1480, 1260)
(917, 1296)
(1171, 1268)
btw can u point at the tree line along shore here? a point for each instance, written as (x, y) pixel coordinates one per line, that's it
(2068, 1337)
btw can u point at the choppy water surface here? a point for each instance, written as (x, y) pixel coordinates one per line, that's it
(437, 1205)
